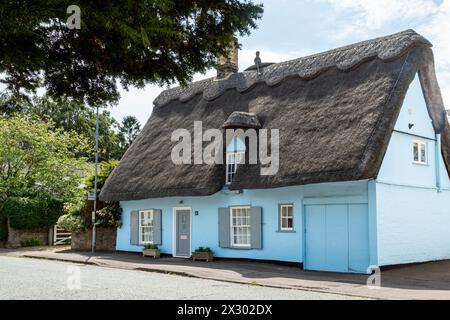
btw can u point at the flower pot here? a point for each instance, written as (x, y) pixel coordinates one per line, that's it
(155, 253)
(206, 256)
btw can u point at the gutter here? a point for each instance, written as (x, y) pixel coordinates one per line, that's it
(437, 154)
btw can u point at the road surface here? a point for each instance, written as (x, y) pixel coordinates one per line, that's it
(22, 278)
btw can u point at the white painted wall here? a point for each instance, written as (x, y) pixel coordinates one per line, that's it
(413, 224)
(413, 218)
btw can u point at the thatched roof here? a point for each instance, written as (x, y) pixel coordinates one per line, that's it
(335, 112)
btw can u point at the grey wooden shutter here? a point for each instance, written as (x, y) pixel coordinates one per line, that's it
(256, 227)
(134, 227)
(224, 228)
(157, 226)
(279, 217)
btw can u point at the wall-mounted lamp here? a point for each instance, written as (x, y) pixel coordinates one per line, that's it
(180, 202)
(410, 125)
(196, 213)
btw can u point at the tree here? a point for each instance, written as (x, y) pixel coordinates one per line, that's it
(133, 42)
(70, 115)
(128, 131)
(78, 212)
(37, 160)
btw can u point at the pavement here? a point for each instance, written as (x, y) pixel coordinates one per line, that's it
(31, 279)
(420, 281)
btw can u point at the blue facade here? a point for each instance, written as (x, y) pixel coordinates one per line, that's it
(402, 216)
(276, 245)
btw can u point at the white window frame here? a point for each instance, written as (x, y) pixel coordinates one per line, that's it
(286, 217)
(420, 145)
(228, 162)
(240, 245)
(152, 217)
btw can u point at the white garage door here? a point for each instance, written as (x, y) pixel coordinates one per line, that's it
(337, 237)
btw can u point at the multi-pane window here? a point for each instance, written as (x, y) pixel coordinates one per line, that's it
(240, 227)
(286, 217)
(146, 226)
(233, 159)
(419, 152)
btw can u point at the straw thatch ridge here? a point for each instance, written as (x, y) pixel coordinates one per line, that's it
(334, 126)
(345, 58)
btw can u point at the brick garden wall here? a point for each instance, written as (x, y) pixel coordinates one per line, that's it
(105, 239)
(15, 236)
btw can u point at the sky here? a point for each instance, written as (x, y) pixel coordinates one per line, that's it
(293, 28)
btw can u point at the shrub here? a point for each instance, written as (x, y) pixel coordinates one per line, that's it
(109, 215)
(32, 213)
(203, 249)
(71, 223)
(32, 242)
(78, 213)
(151, 246)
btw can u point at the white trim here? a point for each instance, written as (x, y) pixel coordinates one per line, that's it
(416, 186)
(232, 244)
(234, 153)
(140, 242)
(287, 217)
(336, 200)
(420, 144)
(174, 231)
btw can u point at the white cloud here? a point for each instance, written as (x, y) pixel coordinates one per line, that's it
(375, 14)
(364, 18)
(247, 56)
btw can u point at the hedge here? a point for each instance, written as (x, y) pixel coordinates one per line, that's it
(3, 227)
(32, 213)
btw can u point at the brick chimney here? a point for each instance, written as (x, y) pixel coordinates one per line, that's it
(228, 64)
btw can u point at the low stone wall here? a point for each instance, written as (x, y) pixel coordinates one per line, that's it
(15, 236)
(105, 239)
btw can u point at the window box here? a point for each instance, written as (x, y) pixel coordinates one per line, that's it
(151, 251)
(202, 253)
(204, 256)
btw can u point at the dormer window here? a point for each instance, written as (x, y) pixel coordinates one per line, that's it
(236, 148)
(233, 159)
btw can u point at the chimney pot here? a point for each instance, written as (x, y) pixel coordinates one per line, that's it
(228, 64)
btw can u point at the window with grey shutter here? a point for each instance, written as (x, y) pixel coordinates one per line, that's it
(256, 227)
(224, 228)
(134, 227)
(157, 226)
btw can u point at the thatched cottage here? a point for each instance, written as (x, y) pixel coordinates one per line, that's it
(363, 173)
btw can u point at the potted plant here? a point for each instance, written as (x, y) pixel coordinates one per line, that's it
(203, 253)
(151, 250)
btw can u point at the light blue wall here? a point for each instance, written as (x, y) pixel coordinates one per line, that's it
(413, 217)
(235, 144)
(414, 111)
(398, 166)
(372, 212)
(276, 245)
